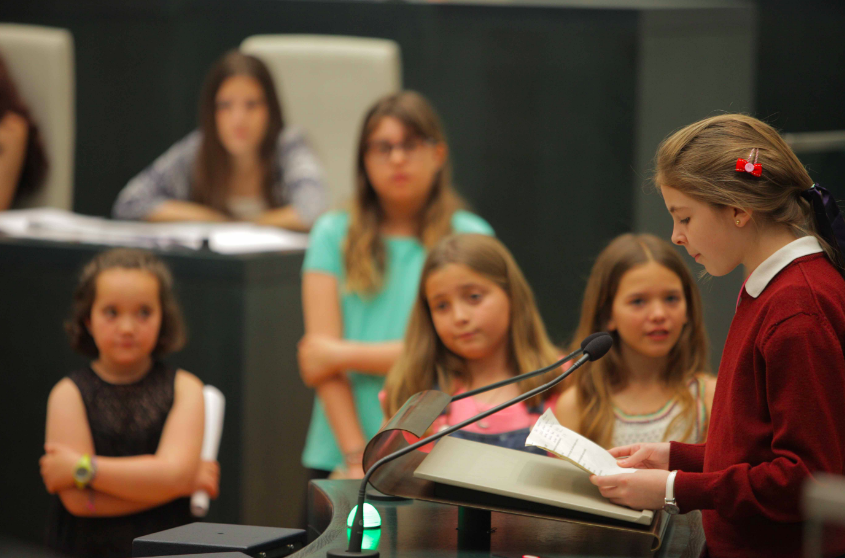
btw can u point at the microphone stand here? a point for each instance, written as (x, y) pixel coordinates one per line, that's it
(601, 344)
(587, 340)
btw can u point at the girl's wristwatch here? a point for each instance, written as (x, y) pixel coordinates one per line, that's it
(669, 505)
(84, 472)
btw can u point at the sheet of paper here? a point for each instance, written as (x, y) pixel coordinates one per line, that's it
(56, 224)
(549, 435)
(215, 408)
(246, 238)
(224, 238)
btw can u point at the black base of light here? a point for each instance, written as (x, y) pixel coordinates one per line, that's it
(346, 554)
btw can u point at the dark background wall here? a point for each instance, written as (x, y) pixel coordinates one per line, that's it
(552, 112)
(801, 77)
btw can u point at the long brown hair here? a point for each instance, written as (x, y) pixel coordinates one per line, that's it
(425, 360)
(596, 380)
(35, 166)
(171, 335)
(213, 165)
(363, 250)
(699, 160)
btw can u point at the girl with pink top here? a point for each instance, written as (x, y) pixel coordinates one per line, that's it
(474, 323)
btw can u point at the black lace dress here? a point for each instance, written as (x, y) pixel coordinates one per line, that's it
(125, 420)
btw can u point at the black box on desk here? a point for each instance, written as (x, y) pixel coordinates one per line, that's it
(197, 538)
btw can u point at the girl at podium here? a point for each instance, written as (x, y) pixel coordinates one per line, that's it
(361, 272)
(242, 164)
(738, 195)
(475, 323)
(652, 385)
(124, 433)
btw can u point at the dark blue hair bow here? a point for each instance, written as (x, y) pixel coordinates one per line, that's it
(829, 222)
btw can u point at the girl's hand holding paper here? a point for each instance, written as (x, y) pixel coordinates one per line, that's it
(644, 490)
(643, 456)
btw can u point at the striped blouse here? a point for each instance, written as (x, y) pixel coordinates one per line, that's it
(636, 429)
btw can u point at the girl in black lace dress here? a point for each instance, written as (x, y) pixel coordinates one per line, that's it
(124, 434)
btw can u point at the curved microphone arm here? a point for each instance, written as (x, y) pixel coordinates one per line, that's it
(519, 378)
(587, 340)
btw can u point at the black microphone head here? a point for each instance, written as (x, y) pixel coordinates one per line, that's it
(599, 345)
(590, 337)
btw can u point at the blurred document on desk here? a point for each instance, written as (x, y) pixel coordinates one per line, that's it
(244, 238)
(224, 238)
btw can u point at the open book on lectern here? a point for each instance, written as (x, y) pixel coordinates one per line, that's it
(562, 483)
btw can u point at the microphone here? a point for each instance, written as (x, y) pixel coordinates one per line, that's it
(587, 340)
(593, 348)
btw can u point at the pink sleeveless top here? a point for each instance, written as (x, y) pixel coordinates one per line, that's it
(514, 417)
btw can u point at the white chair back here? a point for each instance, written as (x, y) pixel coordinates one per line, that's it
(41, 64)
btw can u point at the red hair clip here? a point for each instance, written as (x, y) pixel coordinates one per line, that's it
(751, 168)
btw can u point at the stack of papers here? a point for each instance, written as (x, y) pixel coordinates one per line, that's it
(224, 238)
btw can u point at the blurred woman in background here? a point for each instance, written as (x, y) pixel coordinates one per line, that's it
(241, 164)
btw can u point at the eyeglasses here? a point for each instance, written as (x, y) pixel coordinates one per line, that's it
(381, 151)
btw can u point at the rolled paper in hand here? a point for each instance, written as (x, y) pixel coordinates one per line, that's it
(199, 503)
(215, 406)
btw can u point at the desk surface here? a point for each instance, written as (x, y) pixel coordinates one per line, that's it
(251, 267)
(416, 529)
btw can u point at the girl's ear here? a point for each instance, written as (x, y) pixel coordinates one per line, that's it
(441, 151)
(611, 325)
(740, 216)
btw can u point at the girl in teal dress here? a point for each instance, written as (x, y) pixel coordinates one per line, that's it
(361, 274)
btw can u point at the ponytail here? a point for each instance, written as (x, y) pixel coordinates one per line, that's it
(828, 222)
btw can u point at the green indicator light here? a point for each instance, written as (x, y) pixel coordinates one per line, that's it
(372, 519)
(370, 540)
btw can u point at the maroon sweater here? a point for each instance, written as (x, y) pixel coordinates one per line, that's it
(778, 416)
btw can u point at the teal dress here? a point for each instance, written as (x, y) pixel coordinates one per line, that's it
(375, 319)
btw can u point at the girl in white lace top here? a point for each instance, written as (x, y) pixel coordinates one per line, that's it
(653, 385)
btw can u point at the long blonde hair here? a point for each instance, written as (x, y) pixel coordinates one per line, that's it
(699, 160)
(426, 362)
(596, 380)
(363, 250)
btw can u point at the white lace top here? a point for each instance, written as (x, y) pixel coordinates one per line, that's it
(636, 429)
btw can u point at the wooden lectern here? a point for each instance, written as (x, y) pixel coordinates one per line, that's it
(586, 534)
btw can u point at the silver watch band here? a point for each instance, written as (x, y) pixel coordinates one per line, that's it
(670, 487)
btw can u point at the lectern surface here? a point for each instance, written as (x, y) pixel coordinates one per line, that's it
(419, 529)
(522, 475)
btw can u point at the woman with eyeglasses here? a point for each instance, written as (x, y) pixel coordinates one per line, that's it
(242, 164)
(361, 274)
